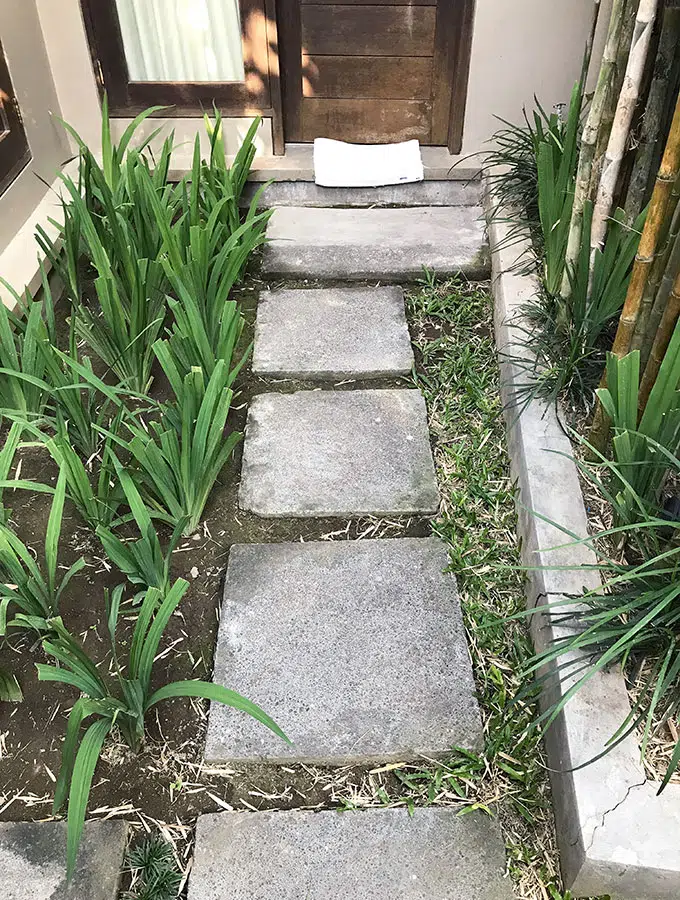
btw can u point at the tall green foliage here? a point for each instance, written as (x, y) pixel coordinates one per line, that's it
(643, 449)
(121, 699)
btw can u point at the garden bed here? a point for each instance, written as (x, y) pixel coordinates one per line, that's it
(153, 782)
(616, 835)
(167, 785)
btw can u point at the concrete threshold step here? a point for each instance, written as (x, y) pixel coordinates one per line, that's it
(422, 193)
(383, 244)
(378, 854)
(338, 453)
(356, 648)
(332, 334)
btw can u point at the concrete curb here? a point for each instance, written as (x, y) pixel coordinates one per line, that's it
(616, 836)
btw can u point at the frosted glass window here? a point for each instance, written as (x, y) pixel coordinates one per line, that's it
(182, 40)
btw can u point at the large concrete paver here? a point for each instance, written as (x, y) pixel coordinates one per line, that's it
(356, 648)
(338, 453)
(382, 854)
(333, 333)
(33, 861)
(392, 244)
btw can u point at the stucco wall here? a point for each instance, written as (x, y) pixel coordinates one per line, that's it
(521, 48)
(29, 69)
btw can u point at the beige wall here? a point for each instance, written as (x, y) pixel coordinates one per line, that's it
(22, 42)
(521, 48)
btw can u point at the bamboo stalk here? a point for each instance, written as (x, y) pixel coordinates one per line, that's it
(656, 217)
(589, 138)
(628, 18)
(588, 54)
(648, 320)
(623, 118)
(654, 113)
(663, 292)
(663, 337)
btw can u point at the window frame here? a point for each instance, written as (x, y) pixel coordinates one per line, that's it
(187, 99)
(15, 152)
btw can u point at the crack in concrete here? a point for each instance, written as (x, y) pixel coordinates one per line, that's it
(612, 809)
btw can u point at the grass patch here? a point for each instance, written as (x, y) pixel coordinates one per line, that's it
(452, 331)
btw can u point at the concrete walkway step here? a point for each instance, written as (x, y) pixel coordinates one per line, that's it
(422, 193)
(338, 453)
(332, 334)
(356, 648)
(33, 861)
(382, 854)
(387, 244)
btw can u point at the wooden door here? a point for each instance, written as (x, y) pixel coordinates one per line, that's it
(375, 71)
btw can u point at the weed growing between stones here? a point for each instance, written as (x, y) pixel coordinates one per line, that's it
(456, 369)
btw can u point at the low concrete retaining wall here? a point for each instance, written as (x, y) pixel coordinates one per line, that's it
(616, 836)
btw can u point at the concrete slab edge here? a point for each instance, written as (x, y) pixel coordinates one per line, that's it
(616, 836)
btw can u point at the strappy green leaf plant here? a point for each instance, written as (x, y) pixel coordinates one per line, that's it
(119, 699)
(645, 447)
(22, 362)
(556, 173)
(10, 689)
(31, 597)
(143, 560)
(98, 504)
(178, 459)
(632, 621)
(565, 335)
(7, 455)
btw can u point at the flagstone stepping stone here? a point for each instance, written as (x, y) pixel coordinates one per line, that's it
(332, 334)
(391, 244)
(33, 861)
(382, 854)
(356, 649)
(338, 453)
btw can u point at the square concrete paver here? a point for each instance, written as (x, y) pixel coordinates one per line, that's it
(355, 648)
(378, 854)
(338, 453)
(332, 333)
(33, 861)
(387, 244)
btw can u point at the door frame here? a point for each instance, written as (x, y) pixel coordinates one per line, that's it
(451, 69)
(15, 153)
(258, 95)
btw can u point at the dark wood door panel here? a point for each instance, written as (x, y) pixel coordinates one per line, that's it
(368, 30)
(366, 121)
(375, 71)
(369, 2)
(385, 77)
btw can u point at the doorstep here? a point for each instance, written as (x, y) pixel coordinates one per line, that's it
(297, 164)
